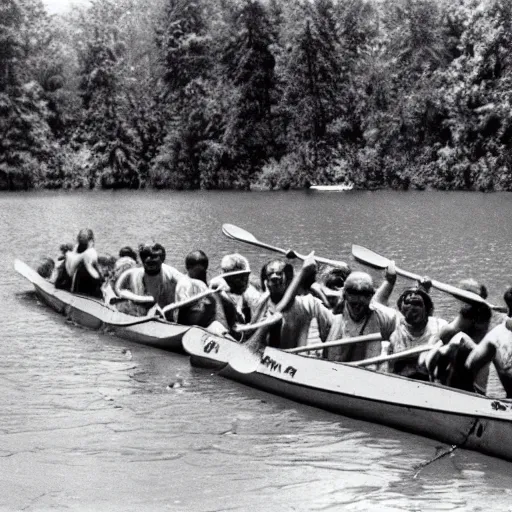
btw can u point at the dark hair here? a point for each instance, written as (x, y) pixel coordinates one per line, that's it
(196, 258)
(127, 251)
(427, 300)
(84, 237)
(155, 247)
(335, 278)
(287, 269)
(507, 297)
(46, 267)
(478, 313)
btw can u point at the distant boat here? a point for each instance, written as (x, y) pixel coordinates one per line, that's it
(333, 188)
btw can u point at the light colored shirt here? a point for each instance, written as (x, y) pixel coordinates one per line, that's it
(382, 319)
(404, 338)
(297, 319)
(200, 313)
(161, 287)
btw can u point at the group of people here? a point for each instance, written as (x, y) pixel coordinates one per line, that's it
(467, 352)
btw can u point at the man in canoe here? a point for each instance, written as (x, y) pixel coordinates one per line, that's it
(203, 312)
(360, 315)
(151, 286)
(496, 350)
(415, 323)
(239, 297)
(446, 362)
(292, 331)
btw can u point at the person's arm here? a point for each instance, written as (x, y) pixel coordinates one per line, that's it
(122, 290)
(258, 340)
(482, 354)
(385, 290)
(90, 259)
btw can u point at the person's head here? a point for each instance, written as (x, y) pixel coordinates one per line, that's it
(46, 267)
(128, 252)
(334, 278)
(196, 263)
(472, 285)
(64, 248)
(507, 297)
(85, 239)
(478, 314)
(234, 263)
(416, 305)
(106, 263)
(275, 276)
(152, 255)
(357, 294)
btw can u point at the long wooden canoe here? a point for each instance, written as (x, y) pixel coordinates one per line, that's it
(95, 314)
(455, 417)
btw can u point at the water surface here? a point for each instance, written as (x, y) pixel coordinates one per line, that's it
(90, 422)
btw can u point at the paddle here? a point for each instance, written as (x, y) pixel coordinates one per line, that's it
(169, 307)
(242, 235)
(246, 358)
(392, 357)
(269, 321)
(337, 343)
(371, 258)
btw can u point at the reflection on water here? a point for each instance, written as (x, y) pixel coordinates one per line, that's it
(90, 422)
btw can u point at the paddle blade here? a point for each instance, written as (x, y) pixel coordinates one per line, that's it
(368, 257)
(244, 360)
(237, 233)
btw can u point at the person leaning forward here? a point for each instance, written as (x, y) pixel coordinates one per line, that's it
(153, 284)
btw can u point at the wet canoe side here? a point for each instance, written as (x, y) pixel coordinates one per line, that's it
(445, 414)
(94, 314)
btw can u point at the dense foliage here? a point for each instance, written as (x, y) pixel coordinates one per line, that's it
(190, 94)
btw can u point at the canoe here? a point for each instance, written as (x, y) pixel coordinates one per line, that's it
(333, 188)
(95, 314)
(448, 415)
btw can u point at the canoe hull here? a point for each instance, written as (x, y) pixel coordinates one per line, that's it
(94, 314)
(448, 415)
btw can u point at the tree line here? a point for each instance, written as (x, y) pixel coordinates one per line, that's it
(240, 94)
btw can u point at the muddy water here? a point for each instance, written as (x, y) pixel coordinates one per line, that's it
(90, 422)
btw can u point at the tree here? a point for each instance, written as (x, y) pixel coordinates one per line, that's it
(249, 66)
(25, 137)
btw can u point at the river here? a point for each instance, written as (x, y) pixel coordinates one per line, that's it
(90, 422)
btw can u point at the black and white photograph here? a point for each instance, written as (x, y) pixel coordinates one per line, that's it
(257, 255)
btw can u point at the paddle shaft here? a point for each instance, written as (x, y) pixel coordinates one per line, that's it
(169, 307)
(375, 260)
(236, 233)
(337, 343)
(392, 357)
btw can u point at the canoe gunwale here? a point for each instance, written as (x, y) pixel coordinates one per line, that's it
(93, 313)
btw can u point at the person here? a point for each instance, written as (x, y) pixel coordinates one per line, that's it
(293, 330)
(79, 271)
(495, 350)
(203, 312)
(333, 280)
(239, 297)
(46, 267)
(196, 263)
(150, 287)
(446, 362)
(415, 326)
(360, 315)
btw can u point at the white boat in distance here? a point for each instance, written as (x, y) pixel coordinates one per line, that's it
(333, 188)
